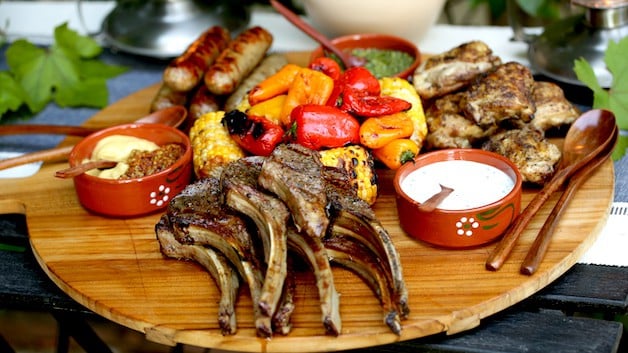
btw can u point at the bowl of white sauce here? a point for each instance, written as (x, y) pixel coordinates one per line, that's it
(486, 197)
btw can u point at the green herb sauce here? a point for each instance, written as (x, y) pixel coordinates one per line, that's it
(384, 62)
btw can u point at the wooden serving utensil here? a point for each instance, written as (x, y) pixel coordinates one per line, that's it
(172, 116)
(347, 60)
(71, 172)
(587, 137)
(430, 204)
(18, 129)
(537, 251)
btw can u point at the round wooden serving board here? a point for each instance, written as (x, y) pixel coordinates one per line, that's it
(114, 267)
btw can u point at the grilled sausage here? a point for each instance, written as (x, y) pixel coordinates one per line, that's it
(235, 63)
(201, 102)
(167, 97)
(269, 65)
(187, 70)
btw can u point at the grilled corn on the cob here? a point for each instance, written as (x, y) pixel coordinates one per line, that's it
(359, 164)
(212, 147)
(400, 88)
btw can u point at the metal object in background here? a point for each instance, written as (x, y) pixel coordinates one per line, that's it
(585, 35)
(164, 28)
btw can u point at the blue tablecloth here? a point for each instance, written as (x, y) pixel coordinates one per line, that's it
(145, 72)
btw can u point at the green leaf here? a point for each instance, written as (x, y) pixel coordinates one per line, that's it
(84, 47)
(95, 68)
(615, 98)
(41, 72)
(91, 92)
(12, 96)
(615, 59)
(621, 148)
(68, 72)
(586, 75)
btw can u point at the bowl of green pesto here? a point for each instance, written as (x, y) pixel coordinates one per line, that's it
(384, 55)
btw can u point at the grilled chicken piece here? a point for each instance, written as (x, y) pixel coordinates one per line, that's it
(534, 156)
(357, 257)
(553, 110)
(198, 217)
(293, 173)
(454, 69)
(503, 95)
(354, 218)
(448, 126)
(241, 192)
(312, 251)
(215, 263)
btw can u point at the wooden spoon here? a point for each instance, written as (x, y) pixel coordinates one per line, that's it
(171, 116)
(537, 251)
(430, 204)
(71, 172)
(347, 60)
(587, 137)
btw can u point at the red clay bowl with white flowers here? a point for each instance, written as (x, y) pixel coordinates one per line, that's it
(485, 201)
(135, 196)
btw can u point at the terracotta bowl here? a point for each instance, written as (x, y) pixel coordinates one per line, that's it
(475, 213)
(377, 41)
(132, 197)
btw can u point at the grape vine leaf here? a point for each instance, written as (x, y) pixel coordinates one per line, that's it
(615, 98)
(68, 73)
(11, 94)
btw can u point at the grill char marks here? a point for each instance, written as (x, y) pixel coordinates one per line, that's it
(313, 252)
(241, 192)
(294, 174)
(298, 207)
(197, 217)
(353, 218)
(357, 257)
(215, 263)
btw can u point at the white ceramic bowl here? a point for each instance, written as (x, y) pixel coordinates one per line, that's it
(410, 19)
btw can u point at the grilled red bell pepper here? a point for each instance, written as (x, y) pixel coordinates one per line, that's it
(355, 78)
(256, 134)
(361, 79)
(326, 65)
(322, 126)
(365, 105)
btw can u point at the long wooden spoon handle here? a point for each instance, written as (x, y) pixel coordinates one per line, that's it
(46, 129)
(49, 155)
(501, 252)
(541, 242)
(82, 168)
(537, 251)
(309, 30)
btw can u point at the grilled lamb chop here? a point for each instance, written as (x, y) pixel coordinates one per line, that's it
(312, 250)
(353, 217)
(454, 69)
(553, 110)
(216, 264)
(241, 192)
(503, 95)
(357, 257)
(293, 173)
(534, 156)
(197, 216)
(281, 319)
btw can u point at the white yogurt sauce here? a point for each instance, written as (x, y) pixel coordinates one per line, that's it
(475, 184)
